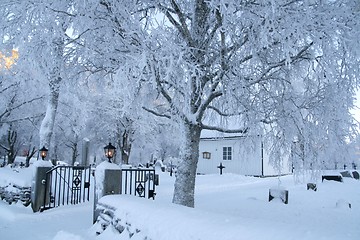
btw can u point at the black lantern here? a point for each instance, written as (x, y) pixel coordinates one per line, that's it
(109, 151)
(43, 152)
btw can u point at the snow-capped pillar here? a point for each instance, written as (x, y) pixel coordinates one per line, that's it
(107, 182)
(38, 184)
(85, 152)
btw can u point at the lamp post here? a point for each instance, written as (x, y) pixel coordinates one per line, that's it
(43, 152)
(109, 151)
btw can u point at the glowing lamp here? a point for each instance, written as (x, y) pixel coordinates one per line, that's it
(43, 152)
(109, 151)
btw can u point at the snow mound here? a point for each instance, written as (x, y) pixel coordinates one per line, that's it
(343, 204)
(62, 235)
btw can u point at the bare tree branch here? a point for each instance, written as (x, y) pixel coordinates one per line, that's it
(8, 110)
(282, 63)
(184, 31)
(23, 119)
(156, 113)
(223, 114)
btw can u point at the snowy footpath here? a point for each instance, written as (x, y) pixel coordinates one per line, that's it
(227, 207)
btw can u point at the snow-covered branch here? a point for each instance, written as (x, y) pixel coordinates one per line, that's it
(181, 27)
(300, 55)
(223, 130)
(156, 113)
(224, 114)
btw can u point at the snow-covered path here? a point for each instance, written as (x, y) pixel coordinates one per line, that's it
(17, 222)
(236, 203)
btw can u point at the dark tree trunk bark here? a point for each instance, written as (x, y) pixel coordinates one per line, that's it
(29, 155)
(184, 190)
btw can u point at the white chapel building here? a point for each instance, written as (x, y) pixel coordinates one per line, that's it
(239, 154)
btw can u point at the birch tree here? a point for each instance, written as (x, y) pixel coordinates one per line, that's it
(269, 66)
(272, 67)
(247, 60)
(38, 30)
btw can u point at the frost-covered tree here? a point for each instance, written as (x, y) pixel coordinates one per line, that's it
(258, 67)
(269, 66)
(39, 31)
(18, 109)
(16, 93)
(11, 146)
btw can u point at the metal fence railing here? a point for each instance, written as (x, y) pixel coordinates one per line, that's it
(66, 185)
(139, 182)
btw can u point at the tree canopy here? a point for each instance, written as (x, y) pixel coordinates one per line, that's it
(287, 70)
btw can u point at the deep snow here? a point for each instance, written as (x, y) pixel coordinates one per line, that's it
(232, 206)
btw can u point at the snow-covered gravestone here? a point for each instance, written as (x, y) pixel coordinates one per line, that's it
(356, 175)
(107, 182)
(311, 186)
(279, 193)
(38, 184)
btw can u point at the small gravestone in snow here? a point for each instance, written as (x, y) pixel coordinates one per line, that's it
(341, 203)
(276, 193)
(311, 186)
(159, 166)
(356, 174)
(346, 174)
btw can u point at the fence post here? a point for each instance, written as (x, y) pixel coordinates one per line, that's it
(38, 187)
(107, 182)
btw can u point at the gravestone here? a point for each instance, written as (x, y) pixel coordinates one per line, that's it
(337, 178)
(281, 194)
(356, 175)
(311, 186)
(346, 174)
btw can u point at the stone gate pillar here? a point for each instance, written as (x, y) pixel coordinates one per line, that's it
(107, 182)
(38, 184)
(85, 152)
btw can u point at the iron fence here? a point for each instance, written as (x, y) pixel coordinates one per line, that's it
(66, 185)
(139, 182)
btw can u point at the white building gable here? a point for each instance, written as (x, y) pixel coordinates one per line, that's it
(245, 155)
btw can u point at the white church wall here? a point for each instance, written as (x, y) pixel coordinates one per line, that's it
(249, 157)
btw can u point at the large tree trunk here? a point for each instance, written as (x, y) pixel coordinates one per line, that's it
(47, 125)
(186, 172)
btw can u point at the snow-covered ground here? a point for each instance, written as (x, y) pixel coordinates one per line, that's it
(232, 206)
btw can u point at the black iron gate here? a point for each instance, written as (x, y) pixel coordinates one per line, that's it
(139, 182)
(66, 185)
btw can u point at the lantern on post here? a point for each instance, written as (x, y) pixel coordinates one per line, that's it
(109, 151)
(43, 152)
